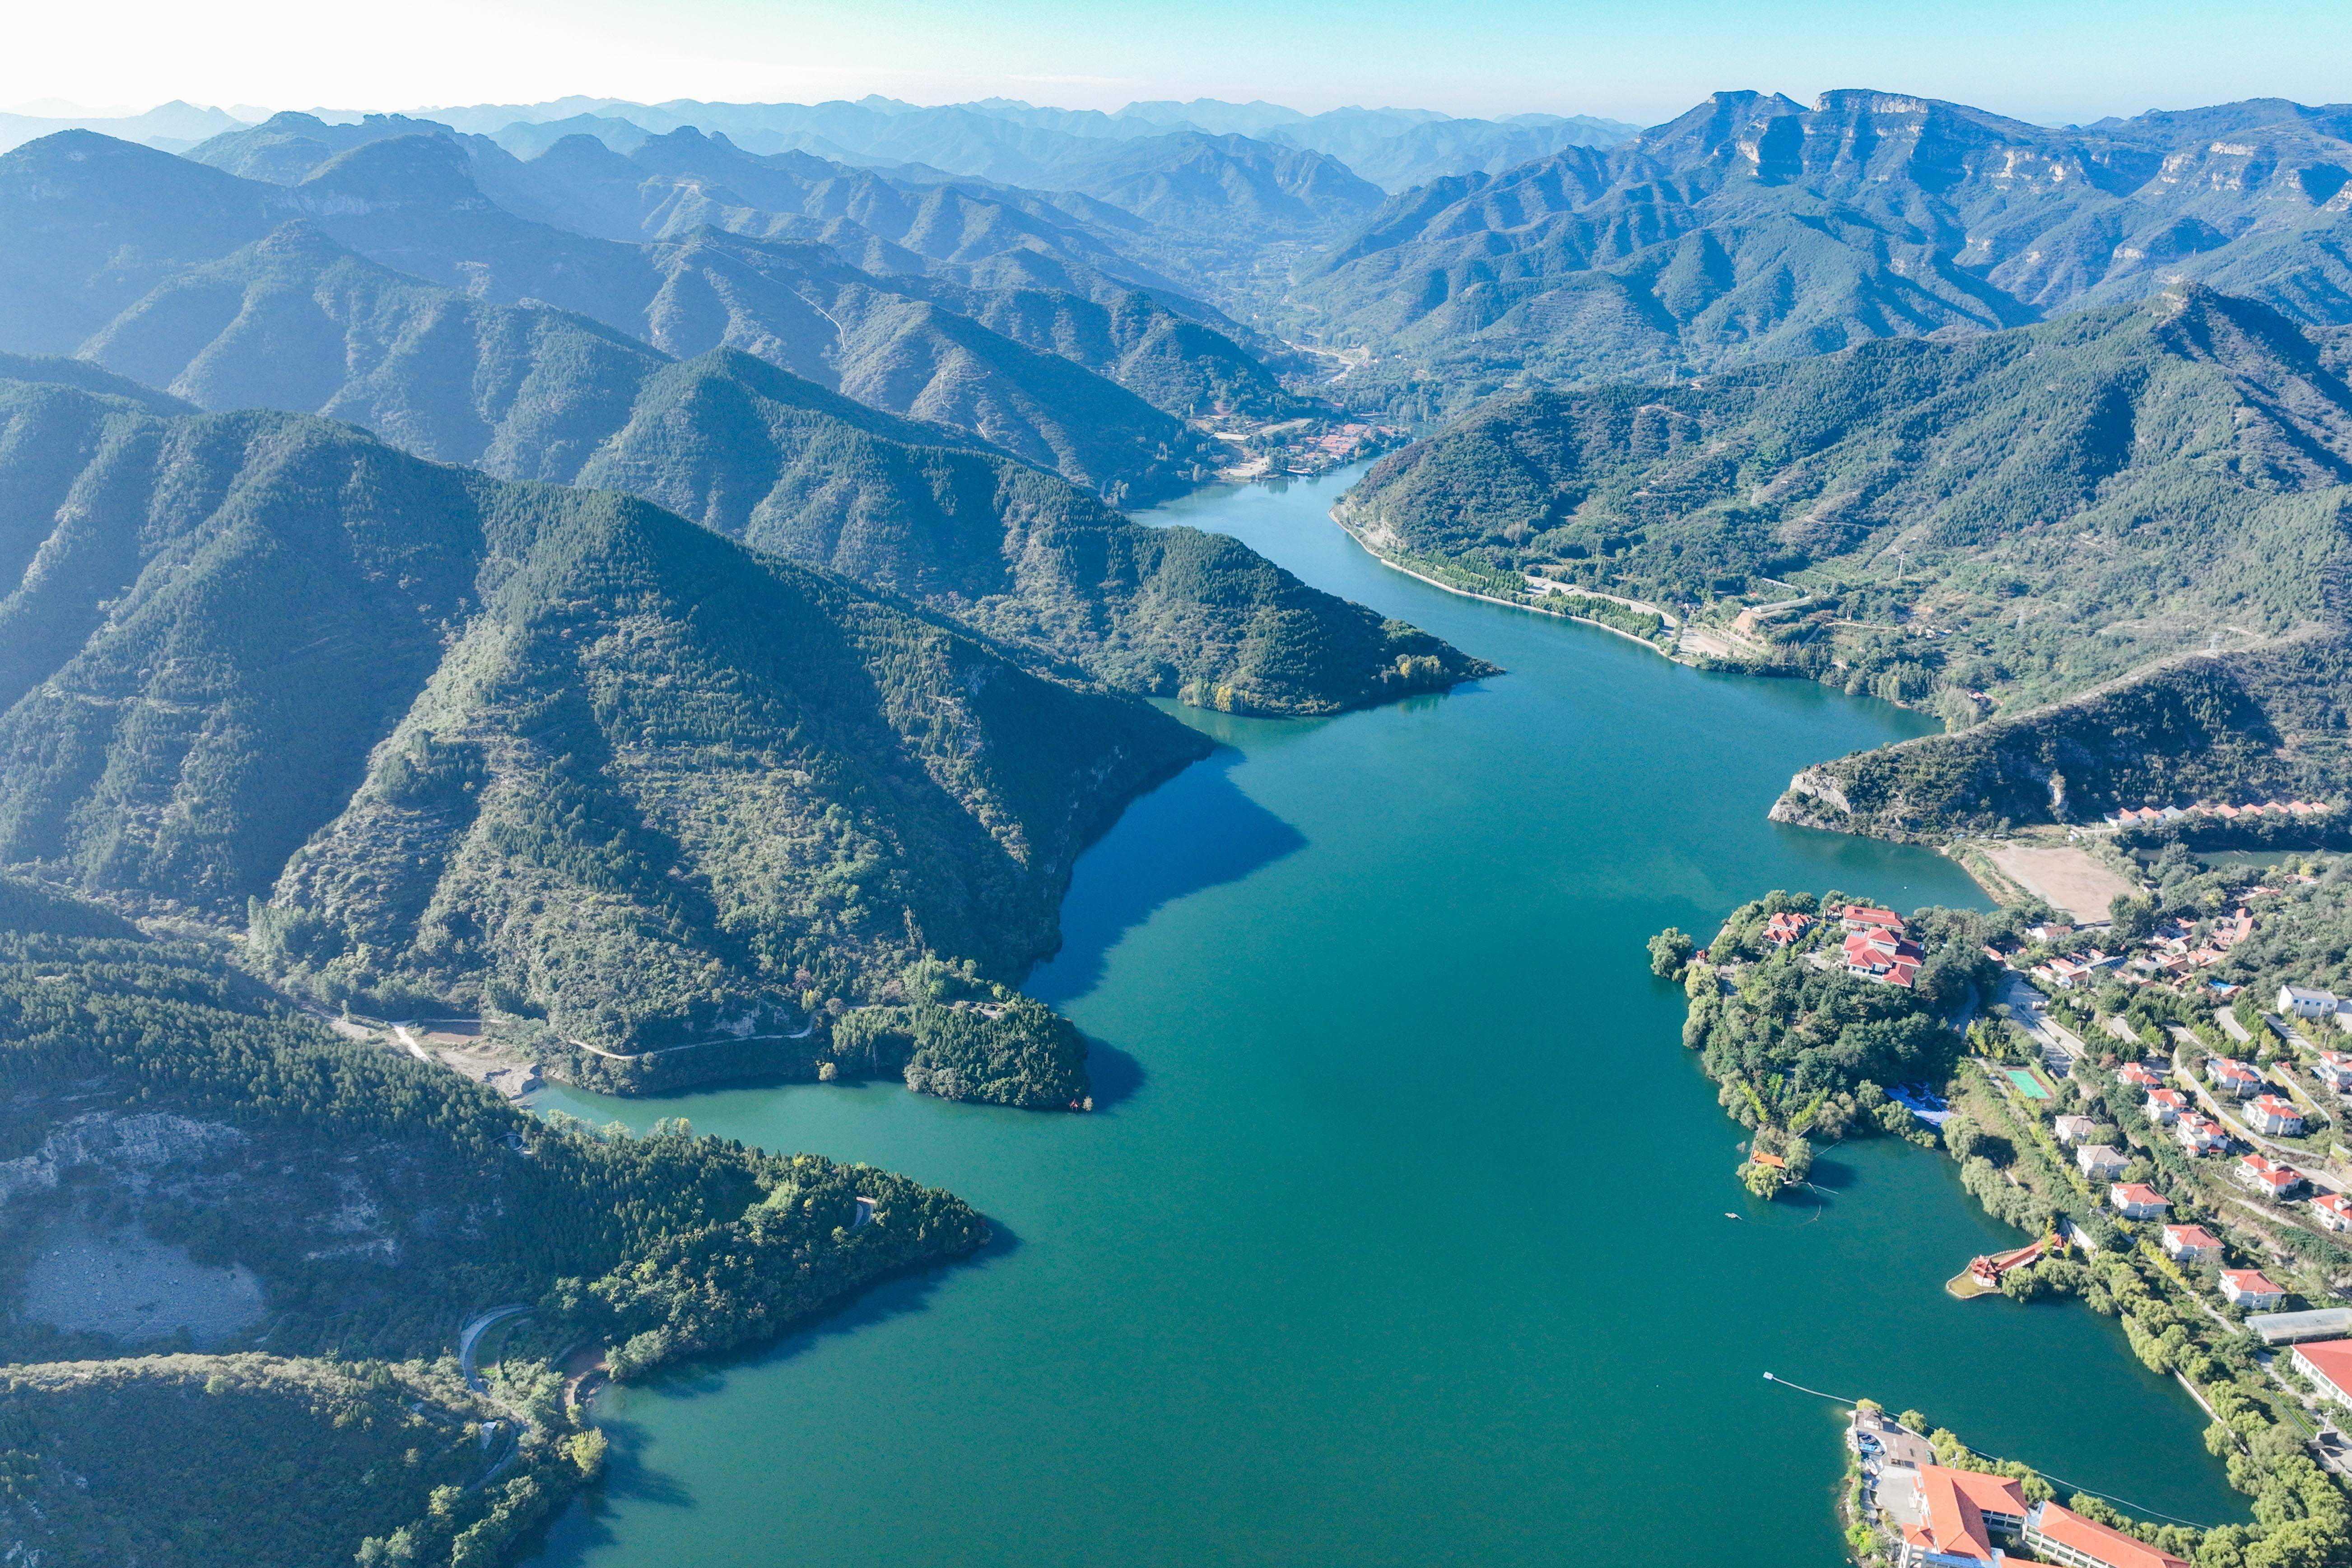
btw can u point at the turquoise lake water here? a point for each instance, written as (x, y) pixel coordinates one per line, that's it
(1402, 1235)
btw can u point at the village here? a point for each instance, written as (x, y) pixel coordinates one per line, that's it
(2207, 1157)
(1293, 449)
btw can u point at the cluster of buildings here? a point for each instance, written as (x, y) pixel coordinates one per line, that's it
(2173, 951)
(1878, 946)
(1946, 1518)
(2148, 816)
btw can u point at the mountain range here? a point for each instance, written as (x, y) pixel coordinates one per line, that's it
(410, 203)
(1022, 144)
(229, 624)
(473, 740)
(1754, 226)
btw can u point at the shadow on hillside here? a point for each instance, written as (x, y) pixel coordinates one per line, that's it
(1194, 832)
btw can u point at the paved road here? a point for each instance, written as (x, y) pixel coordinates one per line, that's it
(470, 1336)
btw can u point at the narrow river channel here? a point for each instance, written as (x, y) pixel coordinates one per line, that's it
(1403, 1238)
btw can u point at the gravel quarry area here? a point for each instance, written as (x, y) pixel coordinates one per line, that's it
(134, 1288)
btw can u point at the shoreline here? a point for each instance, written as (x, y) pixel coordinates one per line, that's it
(1507, 604)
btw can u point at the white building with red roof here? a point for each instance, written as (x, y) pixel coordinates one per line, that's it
(1946, 1517)
(2229, 1076)
(2334, 1069)
(2201, 1134)
(2191, 1244)
(1866, 917)
(2271, 1114)
(2274, 1181)
(2165, 1106)
(2252, 1290)
(2138, 1076)
(2137, 1200)
(1787, 927)
(2328, 1364)
(2061, 1535)
(1882, 956)
(2333, 1210)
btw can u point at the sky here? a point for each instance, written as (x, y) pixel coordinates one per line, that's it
(2052, 61)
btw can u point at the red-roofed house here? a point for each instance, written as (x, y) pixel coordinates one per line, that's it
(1951, 1517)
(2275, 1116)
(2191, 1244)
(2275, 1182)
(2328, 1364)
(2165, 1106)
(1787, 927)
(1862, 917)
(2333, 1210)
(2137, 1200)
(2138, 1076)
(1877, 955)
(2334, 1069)
(2201, 1134)
(2233, 1077)
(2252, 1290)
(2061, 1535)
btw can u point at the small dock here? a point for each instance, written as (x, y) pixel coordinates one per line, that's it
(1982, 1276)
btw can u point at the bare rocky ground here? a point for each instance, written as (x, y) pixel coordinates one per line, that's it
(131, 1287)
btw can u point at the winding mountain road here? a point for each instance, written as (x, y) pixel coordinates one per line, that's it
(470, 1339)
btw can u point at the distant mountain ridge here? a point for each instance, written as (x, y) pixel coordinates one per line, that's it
(1754, 226)
(1024, 145)
(410, 202)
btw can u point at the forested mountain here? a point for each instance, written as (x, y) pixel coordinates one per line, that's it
(477, 742)
(2260, 723)
(308, 1220)
(296, 323)
(1753, 226)
(421, 718)
(410, 203)
(2021, 514)
(970, 233)
(1006, 259)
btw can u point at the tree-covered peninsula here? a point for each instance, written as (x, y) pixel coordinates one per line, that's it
(311, 1219)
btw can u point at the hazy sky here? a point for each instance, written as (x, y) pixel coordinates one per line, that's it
(2050, 61)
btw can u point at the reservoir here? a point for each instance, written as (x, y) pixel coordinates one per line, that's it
(1400, 1235)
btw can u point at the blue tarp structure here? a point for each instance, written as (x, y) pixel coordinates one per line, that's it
(1921, 1102)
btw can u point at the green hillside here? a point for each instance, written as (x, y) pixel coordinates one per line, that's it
(297, 323)
(471, 743)
(196, 1168)
(2265, 724)
(1010, 552)
(208, 288)
(166, 1459)
(2019, 515)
